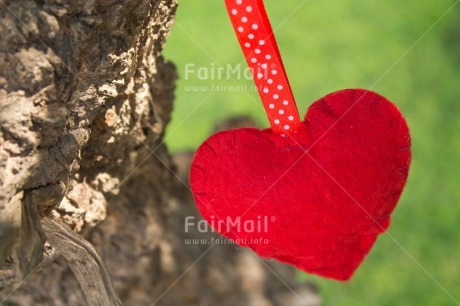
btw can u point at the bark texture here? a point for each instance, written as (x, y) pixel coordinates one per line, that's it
(85, 96)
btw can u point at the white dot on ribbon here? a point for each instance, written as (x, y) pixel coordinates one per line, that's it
(272, 106)
(257, 51)
(281, 112)
(277, 121)
(251, 36)
(275, 97)
(291, 118)
(286, 127)
(255, 26)
(285, 102)
(248, 8)
(240, 29)
(244, 19)
(234, 12)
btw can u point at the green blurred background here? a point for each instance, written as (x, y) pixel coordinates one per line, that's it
(336, 44)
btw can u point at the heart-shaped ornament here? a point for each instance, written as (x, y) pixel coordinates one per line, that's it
(314, 194)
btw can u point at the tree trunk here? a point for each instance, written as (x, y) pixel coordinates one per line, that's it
(85, 96)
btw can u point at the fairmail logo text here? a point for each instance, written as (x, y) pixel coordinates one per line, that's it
(226, 225)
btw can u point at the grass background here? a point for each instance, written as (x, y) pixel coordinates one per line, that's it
(335, 44)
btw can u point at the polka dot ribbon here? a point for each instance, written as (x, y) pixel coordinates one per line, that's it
(255, 34)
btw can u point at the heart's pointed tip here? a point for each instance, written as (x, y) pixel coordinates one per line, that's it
(343, 278)
(340, 274)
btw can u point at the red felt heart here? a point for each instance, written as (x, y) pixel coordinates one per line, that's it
(326, 191)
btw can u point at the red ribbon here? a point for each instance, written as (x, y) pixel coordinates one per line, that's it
(255, 34)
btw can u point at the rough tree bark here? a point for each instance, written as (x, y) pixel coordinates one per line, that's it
(85, 96)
